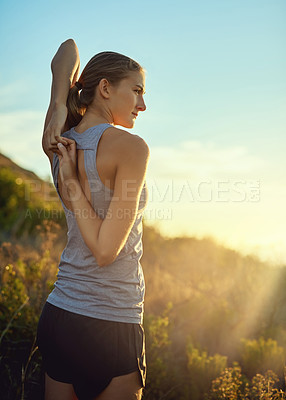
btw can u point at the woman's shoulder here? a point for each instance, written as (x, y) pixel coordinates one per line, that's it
(126, 141)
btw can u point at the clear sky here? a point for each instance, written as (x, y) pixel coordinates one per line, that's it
(215, 118)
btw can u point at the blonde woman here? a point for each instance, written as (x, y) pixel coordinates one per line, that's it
(90, 332)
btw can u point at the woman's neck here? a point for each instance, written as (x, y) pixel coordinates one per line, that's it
(92, 118)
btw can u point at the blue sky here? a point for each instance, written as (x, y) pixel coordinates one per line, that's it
(215, 104)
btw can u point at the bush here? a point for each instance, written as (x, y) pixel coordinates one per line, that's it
(232, 385)
(203, 369)
(258, 356)
(229, 385)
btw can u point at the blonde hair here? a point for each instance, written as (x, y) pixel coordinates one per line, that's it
(109, 65)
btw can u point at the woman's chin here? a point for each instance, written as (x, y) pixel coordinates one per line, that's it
(127, 124)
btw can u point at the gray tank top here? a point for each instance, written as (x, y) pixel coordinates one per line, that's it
(114, 292)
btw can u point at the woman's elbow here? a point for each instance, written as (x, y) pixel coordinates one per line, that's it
(104, 259)
(101, 263)
(70, 41)
(68, 45)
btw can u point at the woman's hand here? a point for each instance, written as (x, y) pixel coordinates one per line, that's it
(56, 125)
(68, 161)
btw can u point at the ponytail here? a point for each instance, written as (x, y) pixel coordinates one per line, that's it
(76, 109)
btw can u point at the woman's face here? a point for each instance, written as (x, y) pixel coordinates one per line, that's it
(126, 99)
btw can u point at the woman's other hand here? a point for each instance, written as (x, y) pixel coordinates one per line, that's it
(68, 161)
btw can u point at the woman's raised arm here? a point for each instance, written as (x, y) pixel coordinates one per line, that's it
(65, 69)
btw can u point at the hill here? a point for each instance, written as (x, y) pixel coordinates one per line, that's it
(39, 189)
(20, 172)
(25, 200)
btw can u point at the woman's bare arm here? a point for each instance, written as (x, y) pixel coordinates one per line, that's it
(105, 238)
(65, 69)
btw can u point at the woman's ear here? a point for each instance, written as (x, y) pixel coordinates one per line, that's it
(104, 88)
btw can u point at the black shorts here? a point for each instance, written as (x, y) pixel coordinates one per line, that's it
(88, 352)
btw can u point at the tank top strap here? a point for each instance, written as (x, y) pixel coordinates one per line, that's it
(88, 140)
(55, 168)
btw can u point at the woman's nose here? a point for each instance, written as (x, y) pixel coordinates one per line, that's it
(141, 106)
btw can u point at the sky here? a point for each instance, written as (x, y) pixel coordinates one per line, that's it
(215, 97)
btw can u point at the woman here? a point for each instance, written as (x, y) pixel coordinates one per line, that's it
(90, 331)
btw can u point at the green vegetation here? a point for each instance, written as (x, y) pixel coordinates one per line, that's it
(215, 320)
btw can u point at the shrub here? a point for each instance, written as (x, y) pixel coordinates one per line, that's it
(258, 356)
(230, 385)
(203, 369)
